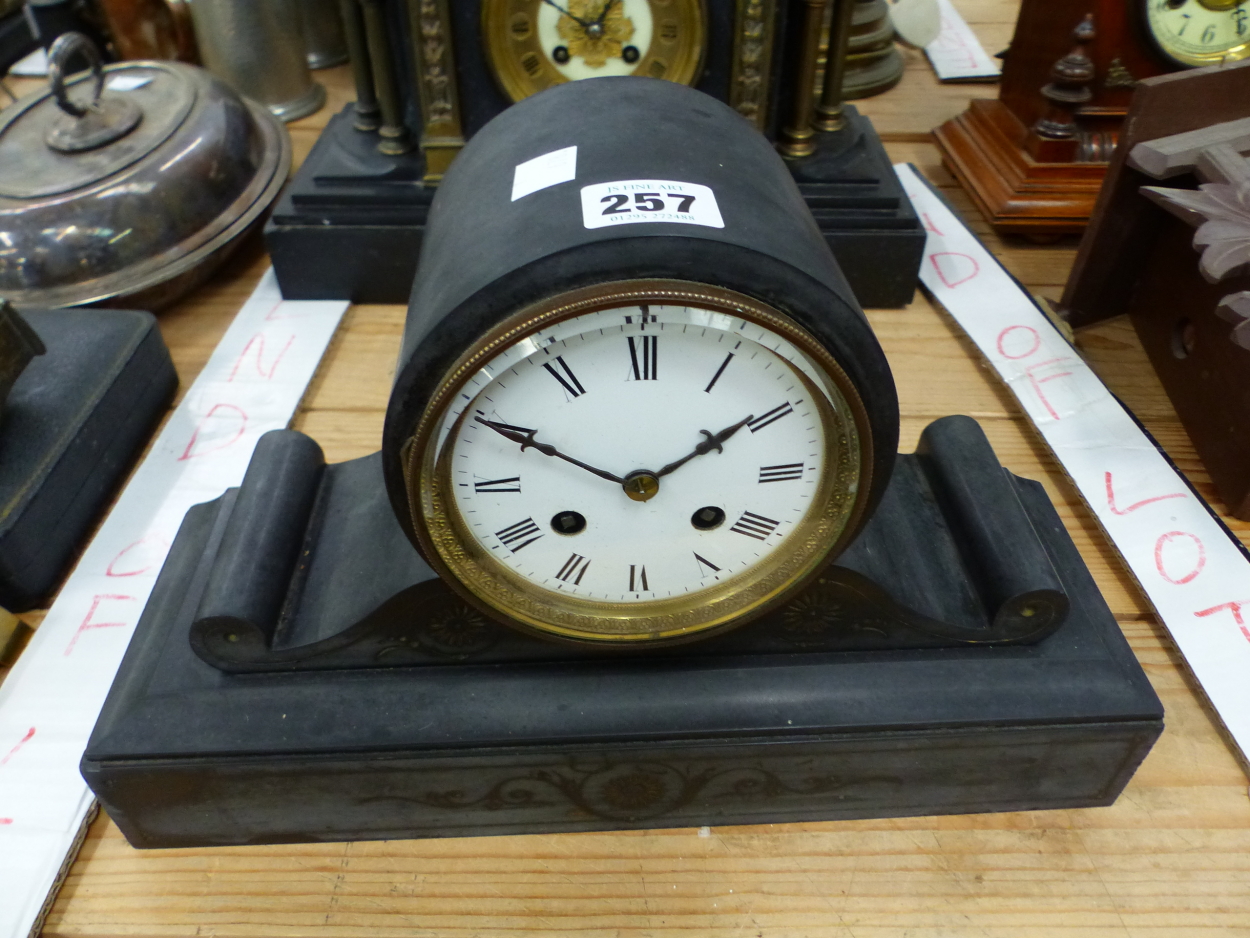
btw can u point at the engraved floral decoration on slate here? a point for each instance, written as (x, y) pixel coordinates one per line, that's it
(635, 791)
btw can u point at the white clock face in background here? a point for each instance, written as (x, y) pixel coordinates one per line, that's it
(1201, 32)
(634, 390)
(626, 37)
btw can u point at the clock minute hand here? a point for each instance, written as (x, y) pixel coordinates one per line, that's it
(576, 19)
(527, 440)
(713, 442)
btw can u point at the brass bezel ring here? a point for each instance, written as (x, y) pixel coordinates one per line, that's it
(827, 527)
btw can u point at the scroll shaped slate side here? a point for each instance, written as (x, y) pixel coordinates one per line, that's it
(1009, 566)
(959, 553)
(251, 574)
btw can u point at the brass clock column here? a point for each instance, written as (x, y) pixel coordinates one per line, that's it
(798, 138)
(798, 135)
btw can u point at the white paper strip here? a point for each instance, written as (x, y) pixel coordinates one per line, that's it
(956, 54)
(49, 702)
(1192, 571)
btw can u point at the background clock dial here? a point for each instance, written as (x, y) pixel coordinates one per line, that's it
(1200, 32)
(643, 470)
(533, 44)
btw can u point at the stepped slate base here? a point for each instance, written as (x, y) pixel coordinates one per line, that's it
(349, 226)
(310, 731)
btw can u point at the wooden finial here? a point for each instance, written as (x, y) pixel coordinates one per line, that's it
(1056, 131)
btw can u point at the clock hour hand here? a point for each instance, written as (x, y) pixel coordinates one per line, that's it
(713, 442)
(603, 14)
(527, 440)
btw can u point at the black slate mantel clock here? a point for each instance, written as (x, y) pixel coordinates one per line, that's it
(638, 549)
(430, 73)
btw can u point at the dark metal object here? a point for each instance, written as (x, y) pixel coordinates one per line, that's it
(74, 422)
(145, 217)
(19, 343)
(347, 201)
(461, 728)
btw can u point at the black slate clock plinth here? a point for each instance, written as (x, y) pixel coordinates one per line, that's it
(350, 224)
(957, 658)
(72, 425)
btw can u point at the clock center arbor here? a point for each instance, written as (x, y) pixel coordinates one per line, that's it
(430, 74)
(637, 549)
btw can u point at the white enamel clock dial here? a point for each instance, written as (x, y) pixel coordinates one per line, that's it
(1201, 32)
(645, 460)
(626, 37)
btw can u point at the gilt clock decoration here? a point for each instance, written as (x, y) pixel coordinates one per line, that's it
(533, 44)
(1200, 32)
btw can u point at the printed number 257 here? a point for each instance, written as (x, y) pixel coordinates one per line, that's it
(645, 202)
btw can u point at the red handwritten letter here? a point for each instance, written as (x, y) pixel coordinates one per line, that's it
(87, 622)
(143, 555)
(1133, 507)
(1199, 561)
(1037, 382)
(1235, 609)
(20, 743)
(227, 424)
(1022, 340)
(954, 268)
(258, 341)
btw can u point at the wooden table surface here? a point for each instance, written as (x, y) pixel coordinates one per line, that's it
(1171, 859)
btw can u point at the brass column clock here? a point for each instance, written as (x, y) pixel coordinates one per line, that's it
(431, 73)
(534, 44)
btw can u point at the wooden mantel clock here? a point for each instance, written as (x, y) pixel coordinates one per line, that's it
(1034, 158)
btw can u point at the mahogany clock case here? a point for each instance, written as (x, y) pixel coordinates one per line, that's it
(349, 200)
(300, 673)
(1001, 161)
(73, 424)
